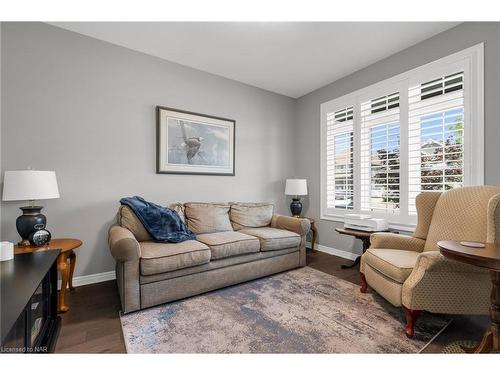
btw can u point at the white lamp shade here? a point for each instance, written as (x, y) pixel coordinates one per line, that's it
(29, 185)
(296, 186)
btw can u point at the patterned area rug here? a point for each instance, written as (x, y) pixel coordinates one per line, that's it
(300, 311)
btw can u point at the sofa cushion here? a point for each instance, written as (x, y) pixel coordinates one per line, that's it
(159, 257)
(215, 264)
(251, 215)
(272, 238)
(179, 208)
(128, 220)
(395, 264)
(228, 244)
(207, 217)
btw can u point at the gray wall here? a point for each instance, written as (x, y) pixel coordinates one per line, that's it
(86, 109)
(453, 40)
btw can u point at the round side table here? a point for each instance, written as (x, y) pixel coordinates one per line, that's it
(67, 247)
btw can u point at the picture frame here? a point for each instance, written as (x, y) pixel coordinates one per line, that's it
(194, 143)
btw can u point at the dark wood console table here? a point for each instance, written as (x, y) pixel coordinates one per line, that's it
(360, 235)
(486, 257)
(29, 321)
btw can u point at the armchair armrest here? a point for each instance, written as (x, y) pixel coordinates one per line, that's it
(434, 261)
(441, 285)
(298, 225)
(123, 245)
(384, 240)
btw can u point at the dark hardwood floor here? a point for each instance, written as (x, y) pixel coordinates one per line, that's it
(92, 325)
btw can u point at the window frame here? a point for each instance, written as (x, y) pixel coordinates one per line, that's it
(471, 62)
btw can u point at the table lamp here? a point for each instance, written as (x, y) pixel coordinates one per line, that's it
(296, 187)
(29, 185)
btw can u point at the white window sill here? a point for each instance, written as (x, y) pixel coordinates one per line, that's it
(392, 225)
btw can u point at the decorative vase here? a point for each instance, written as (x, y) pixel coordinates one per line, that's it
(296, 207)
(31, 220)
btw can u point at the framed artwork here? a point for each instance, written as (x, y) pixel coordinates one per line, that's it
(193, 143)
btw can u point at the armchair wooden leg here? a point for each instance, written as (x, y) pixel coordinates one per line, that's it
(364, 284)
(411, 318)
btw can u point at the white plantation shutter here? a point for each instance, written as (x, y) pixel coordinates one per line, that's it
(422, 130)
(339, 138)
(380, 154)
(436, 136)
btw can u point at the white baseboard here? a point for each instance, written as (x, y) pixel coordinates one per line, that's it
(91, 279)
(332, 251)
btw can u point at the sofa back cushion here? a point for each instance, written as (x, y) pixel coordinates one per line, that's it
(207, 217)
(179, 208)
(128, 220)
(251, 215)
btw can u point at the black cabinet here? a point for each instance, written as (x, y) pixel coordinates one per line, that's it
(29, 303)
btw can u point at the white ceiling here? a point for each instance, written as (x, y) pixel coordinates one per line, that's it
(290, 58)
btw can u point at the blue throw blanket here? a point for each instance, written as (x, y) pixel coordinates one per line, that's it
(163, 224)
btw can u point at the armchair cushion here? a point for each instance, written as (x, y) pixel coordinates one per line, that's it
(396, 241)
(394, 264)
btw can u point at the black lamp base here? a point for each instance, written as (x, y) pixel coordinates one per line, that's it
(30, 221)
(296, 207)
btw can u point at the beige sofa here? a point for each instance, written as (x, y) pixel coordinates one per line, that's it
(235, 242)
(409, 271)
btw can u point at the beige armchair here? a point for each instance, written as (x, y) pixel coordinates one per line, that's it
(410, 272)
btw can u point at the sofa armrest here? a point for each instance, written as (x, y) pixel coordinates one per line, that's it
(298, 225)
(123, 245)
(384, 240)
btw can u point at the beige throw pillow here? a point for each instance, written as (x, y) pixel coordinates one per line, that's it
(251, 215)
(179, 208)
(128, 219)
(207, 217)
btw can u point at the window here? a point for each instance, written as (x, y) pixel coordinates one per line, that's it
(380, 154)
(340, 159)
(436, 136)
(421, 130)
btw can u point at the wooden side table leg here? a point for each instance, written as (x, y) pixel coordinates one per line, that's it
(72, 263)
(313, 239)
(63, 268)
(495, 311)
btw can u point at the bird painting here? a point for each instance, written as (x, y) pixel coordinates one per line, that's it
(192, 145)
